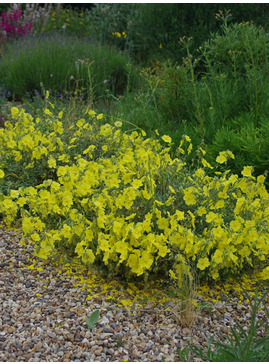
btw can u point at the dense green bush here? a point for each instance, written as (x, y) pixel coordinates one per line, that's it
(221, 96)
(249, 143)
(64, 63)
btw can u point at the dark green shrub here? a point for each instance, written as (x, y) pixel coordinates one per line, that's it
(229, 78)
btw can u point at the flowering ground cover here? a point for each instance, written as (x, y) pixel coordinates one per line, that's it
(121, 202)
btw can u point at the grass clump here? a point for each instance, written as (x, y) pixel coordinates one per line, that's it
(65, 64)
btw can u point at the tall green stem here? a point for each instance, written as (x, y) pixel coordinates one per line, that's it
(199, 116)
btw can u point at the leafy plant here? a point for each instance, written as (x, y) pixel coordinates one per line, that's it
(92, 320)
(242, 346)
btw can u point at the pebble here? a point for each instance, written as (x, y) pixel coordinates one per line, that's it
(43, 318)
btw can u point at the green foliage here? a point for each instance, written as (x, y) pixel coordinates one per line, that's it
(184, 354)
(69, 21)
(65, 63)
(250, 144)
(138, 21)
(92, 320)
(237, 63)
(242, 346)
(221, 96)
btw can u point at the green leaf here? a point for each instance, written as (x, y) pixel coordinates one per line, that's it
(91, 321)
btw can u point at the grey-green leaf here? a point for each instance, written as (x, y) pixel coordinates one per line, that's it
(91, 321)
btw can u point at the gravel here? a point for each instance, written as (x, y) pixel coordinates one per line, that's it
(43, 314)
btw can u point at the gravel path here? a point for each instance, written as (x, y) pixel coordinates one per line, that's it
(43, 311)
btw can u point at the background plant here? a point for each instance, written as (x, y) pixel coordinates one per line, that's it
(174, 21)
(38, 15)
(64, 63)
(13, 24)
(69, 21)
(220, 96)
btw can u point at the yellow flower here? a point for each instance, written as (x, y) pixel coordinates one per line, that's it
(203, 263)
(180, 215)
(117, 227)
(189, 148)
(206, 164)
(219, 204)
(2, 173)
(265, 273)
(163, 250)
(118, 124)
(218, 256)
(163, 223)
(35, 237)
(189, 196)
(201, 211)
(66, 231)
(52, 162)
(80, 123)
(88, 256)
(261, 179)
(48, 112)
(146, 260)
(14, 112)
(166, 138)
(21, 201)
(210, 217)
(221, 158)
(27, 225)
(235, 225)
(92, 113)
(247, 170)
(137, 183)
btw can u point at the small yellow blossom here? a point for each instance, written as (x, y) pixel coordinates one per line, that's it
(203, 263)
(166, 138)
(118, 124)
(247, 170)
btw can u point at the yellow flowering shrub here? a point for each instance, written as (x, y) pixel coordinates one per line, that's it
(120, 200)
